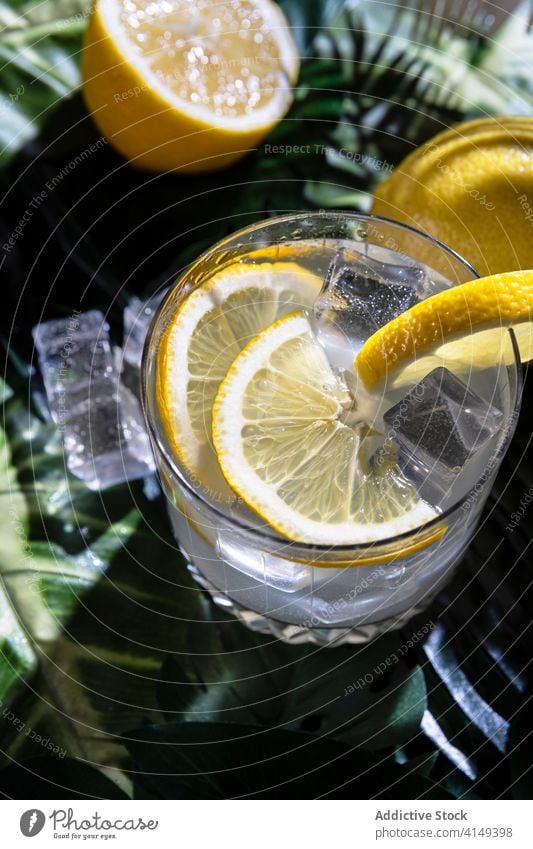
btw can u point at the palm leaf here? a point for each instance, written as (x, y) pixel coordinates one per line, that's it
(39, 48)
(77, 614)
(111, 634)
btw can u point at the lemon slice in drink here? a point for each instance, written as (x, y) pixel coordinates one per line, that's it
(202, 340)
(288, 442)
(192, 85)
(462, 328)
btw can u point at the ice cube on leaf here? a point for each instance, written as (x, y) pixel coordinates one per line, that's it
(52, 335)
(137, 318)
(73, 352)
(105, 437)
(101, 420)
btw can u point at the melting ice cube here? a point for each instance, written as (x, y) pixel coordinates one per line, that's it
(272, 571)
(137, 319)
(101, 420)
(73, 352)
(359, 295)
(105, 438)
(439, 426)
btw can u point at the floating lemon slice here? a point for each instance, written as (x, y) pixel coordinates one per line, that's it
(187, 85)
(288, 441)
(202, 340)
(462, 328)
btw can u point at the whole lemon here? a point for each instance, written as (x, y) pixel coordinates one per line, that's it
(470, 186)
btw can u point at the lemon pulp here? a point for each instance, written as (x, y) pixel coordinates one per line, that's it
(223, 57)
(291, 445)
(202, 339)
(187, 84)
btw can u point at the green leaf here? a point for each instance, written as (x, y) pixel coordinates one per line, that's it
(221, 761)
(505, 61)
(521, 751)
(20, 15)
(306, 19)
(55, 778)
(17, 654)
(396, 715)
(331, 196)
(233, 675)
(39, 55)
(78, 614)
(5, 391)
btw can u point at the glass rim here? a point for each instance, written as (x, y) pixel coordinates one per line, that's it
(272, 536)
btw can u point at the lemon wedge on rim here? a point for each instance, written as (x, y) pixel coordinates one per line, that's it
(463, 328)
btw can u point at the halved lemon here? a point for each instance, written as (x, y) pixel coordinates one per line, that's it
(202, 340)
(463, 327)
(289, 442)
(187, 84)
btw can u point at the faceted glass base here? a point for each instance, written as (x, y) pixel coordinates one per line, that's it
(294, 634)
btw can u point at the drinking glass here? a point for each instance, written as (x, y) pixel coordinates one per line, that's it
(327, 594)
